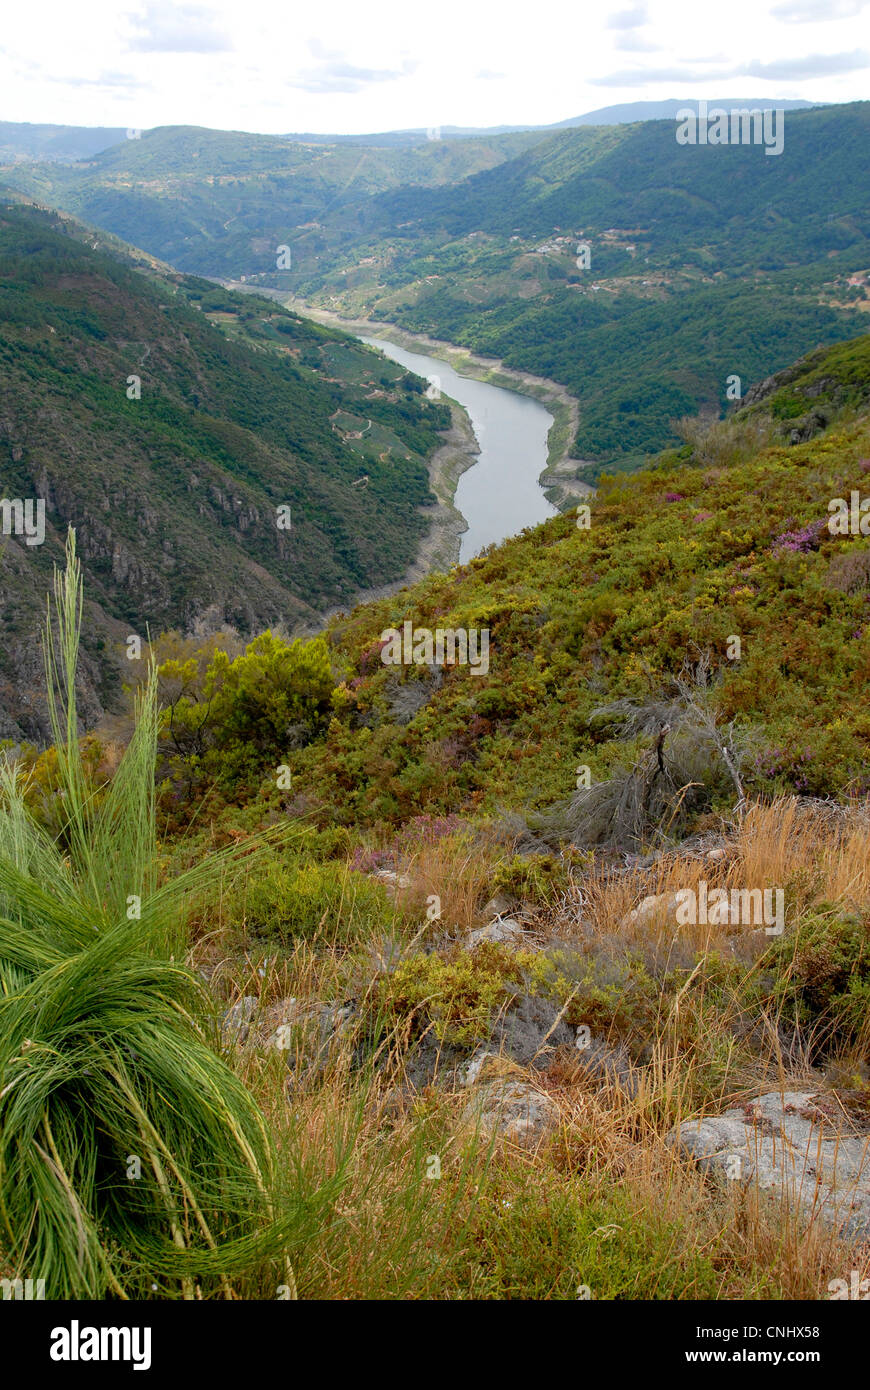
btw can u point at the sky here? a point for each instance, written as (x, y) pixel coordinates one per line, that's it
(342, 66)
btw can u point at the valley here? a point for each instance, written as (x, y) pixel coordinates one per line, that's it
(434, 753)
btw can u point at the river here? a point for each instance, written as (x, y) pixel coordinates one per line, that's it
(499, 494)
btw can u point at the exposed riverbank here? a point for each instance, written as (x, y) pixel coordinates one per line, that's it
(440, 549)
(558, 479)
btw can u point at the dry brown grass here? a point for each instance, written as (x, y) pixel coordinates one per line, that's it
(387, 1231)
(815, 853)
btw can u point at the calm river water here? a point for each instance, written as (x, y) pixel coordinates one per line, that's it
(499, 494)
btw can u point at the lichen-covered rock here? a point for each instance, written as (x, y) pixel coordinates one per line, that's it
(483, 1064)
(306, 1032)
(504, 931)
(511, 1110)
(788, 1143)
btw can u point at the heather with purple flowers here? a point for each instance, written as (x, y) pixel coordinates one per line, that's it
(370, 658)
(370, 861)
(803, 540)
(791, 764)
(425, 830)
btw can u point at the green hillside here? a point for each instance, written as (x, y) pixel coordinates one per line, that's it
(168, 421)
(409, 997)
(737, 261)
(599, 635)
(221, 202)
(740, 262)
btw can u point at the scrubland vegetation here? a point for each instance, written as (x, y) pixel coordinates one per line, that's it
(285, 1035)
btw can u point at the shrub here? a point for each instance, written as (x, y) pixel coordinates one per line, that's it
(539, 878)
(601, 992)
(822, 975)
(456, 998)
(296, 897)
(545, 1243)
(239, 718)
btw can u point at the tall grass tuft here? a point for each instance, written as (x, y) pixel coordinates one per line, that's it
(133, 1163)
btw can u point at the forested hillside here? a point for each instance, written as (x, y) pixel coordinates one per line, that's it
(220, 203)
(739, 262)
(169, 422)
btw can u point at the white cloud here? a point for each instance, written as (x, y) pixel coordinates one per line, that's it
(817, 11)
(168, 28)
(341, 66)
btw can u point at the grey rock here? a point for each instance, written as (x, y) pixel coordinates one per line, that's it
(306, 1033)
(499, 906)
(527, 1034)
(236, 1022)
(807, 427)
(430, 1061)
(504, 931)
(606, 1063)
(389, 876)
(393, 883)
(511, 1110)
(786, 1143)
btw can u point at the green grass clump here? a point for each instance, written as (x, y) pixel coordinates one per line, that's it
(131, 1158)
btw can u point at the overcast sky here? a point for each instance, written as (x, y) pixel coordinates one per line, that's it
(346, 66)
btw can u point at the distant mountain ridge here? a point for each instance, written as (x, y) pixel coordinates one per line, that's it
(623, 114)
(22, 140)
(65, 143)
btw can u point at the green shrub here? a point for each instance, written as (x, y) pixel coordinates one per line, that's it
(235, 720)
(295, 897)
(540, 1242)
(456, 998)
(538, 878)
(821, 974)
(601, 992)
